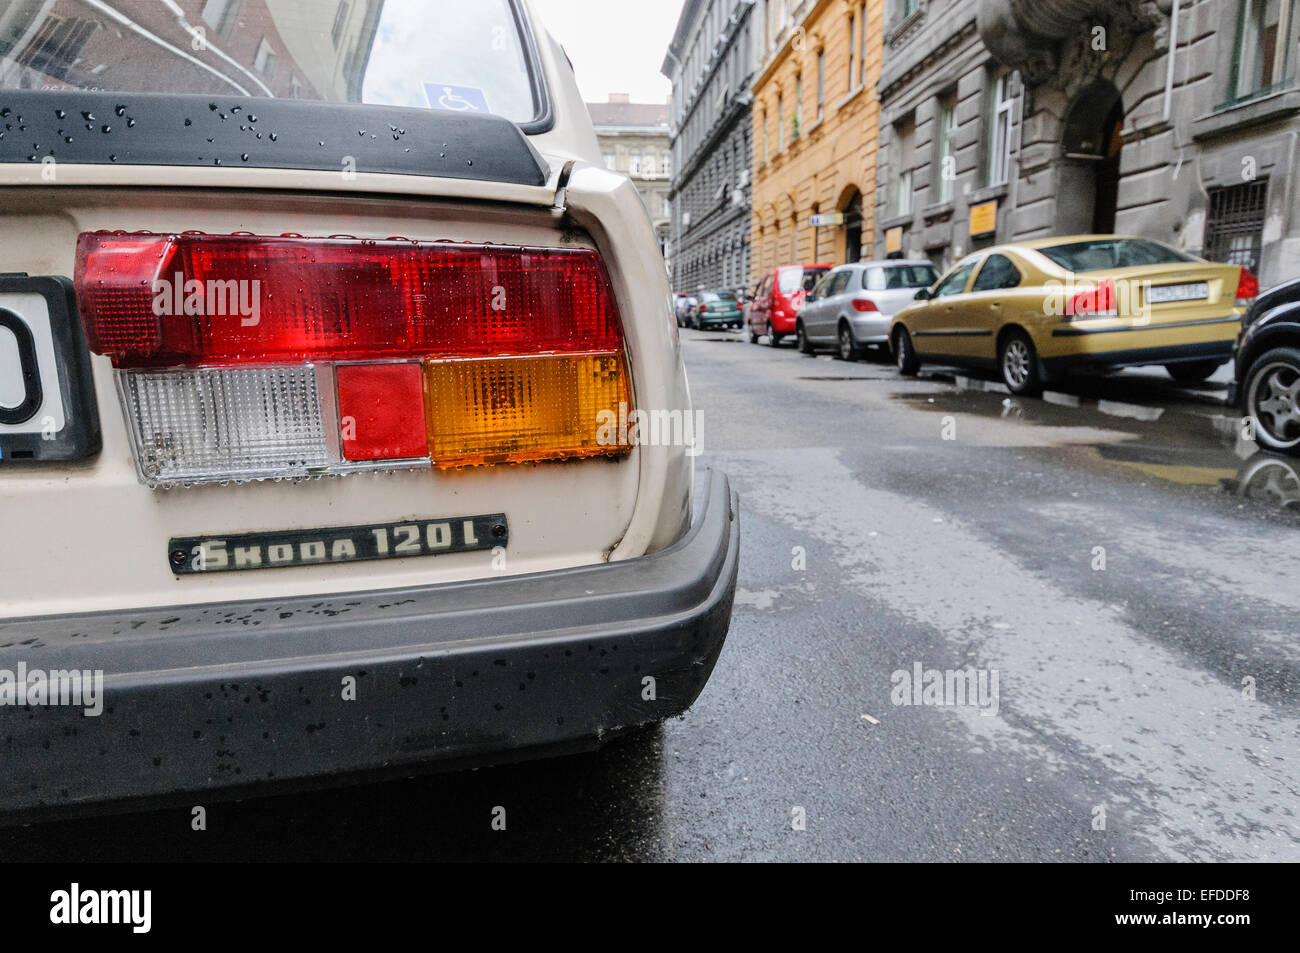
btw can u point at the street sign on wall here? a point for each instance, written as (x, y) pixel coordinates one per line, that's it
(984, 218)
(894, 240)
(826, 220)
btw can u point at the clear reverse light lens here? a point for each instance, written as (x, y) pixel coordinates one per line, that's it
(214, 424)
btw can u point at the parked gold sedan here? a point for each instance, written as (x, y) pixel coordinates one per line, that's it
(1039, 309)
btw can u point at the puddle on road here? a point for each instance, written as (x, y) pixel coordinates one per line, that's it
(1271, 481)
(1195, 444)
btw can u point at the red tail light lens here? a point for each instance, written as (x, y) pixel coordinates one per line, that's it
(1095, 302)
(247, 358)
(381, 411)
(169, 300)
(1247, 287)
(864, 304)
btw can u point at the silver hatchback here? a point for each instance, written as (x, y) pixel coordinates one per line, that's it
(851, 307)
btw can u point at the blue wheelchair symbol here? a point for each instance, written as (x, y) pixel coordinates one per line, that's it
(460, 99)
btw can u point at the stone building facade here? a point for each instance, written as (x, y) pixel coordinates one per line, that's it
(815, 131)
(711, 63)
(1008, 119)
(634, 140)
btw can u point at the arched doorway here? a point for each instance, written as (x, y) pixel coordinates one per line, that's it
(1106, 202)
(1092, 144)
(853, 228)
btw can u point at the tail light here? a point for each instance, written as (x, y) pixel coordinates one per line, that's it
(1097, 302)
(1247, 289)
(244, 357)
(864, 304)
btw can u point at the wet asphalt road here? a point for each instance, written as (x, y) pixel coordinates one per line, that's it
(888, 524)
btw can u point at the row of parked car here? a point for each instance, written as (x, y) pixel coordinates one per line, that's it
(1035, 312)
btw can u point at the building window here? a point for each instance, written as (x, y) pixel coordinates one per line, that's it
(1260, 64)
(609, 162)
(1000, 103)
(780, 121)
(1234, 228)
(946, 146)
(821, 84)
(905, 153)
(220, 14)
(634, 166)
(764, 118)
(853, 21)
(56, 47)
(798, 106)
(264, 62)
(862, 45)
(648, 165)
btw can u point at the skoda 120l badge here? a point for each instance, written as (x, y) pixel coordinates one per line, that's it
(189, 555)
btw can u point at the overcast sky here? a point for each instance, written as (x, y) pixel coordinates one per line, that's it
(617, 46)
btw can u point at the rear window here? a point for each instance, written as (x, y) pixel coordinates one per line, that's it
(799, 279)
(718, 296)
(899, 277)
(1106, 253)
(431, 54)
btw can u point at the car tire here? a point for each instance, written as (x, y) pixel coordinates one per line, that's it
(773, 339)
(753, 335)
(849, 349)
(905, 358)
(1193, 372)
(802, 338)
(1271, 392)
(1018, 364)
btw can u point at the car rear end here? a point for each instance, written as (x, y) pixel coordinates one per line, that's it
(718, 309)
(883, 289)
(323, 456)
(789, 291)
(1126, 301)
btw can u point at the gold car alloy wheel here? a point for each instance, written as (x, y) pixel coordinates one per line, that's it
(1016, 362)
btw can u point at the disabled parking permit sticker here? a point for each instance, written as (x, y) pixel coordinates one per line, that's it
(460, 99)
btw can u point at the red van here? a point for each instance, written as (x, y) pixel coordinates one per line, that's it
(778, 298)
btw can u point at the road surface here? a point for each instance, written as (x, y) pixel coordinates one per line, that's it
(1114, 555)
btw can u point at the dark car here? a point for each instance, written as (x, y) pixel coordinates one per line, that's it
(1268, 368)
(716, 309)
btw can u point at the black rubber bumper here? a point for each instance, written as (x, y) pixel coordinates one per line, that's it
(251, 695)
(1140, 357)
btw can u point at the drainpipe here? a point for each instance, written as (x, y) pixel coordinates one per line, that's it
(1173, 53)
(1020, 143)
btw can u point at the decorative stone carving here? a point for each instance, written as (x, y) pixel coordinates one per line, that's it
(1027, 34)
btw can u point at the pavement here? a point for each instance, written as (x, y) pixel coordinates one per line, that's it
(1109, 569)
